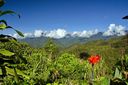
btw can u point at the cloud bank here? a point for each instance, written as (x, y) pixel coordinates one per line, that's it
(85, 33)
(113, 29)
(38, 33)
(59, 33)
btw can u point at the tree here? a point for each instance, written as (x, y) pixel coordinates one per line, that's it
(51, 48)
(8, 58)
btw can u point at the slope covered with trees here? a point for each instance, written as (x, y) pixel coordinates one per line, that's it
(98, 62)
(51, 65)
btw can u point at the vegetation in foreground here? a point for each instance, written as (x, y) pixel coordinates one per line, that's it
(50, 65)
(53, 66)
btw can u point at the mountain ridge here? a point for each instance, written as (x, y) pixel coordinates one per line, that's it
(66, 41)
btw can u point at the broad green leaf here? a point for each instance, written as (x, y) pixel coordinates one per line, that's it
(3, 26)
(11, 71)
(117, 74)
(3, 21)
(125, 17)
(7, 38)
(1, 3)
(8, 12)
(20, 33)
(6, 52)
(6, 63)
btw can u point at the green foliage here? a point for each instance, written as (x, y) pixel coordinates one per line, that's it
(20, 33)
(9, 80)
(1, 3)
(7, 57)
(3, 23)
(50, 46)
(7, 12)
(102, 81)
(66, 64)
(51, 49)
(66, 68)
(2, 26)
(6, 52)
(38, 67)
(50, 65)
(126, 60)
(118, 74)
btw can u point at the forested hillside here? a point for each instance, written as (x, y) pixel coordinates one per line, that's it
(53, 65)
(96, 62)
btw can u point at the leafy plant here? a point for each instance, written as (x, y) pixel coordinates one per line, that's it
(7, 57)
(125, 17)
(118, 74)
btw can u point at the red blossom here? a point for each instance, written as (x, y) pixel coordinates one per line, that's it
(94, 59)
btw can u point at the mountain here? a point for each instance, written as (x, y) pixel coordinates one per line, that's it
(66, 41)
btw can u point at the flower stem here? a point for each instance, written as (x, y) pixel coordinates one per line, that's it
(92, 73)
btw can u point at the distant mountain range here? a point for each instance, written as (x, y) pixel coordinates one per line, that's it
(66, 41)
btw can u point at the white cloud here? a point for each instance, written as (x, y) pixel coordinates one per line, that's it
(25, 35)
(59, 33)
(85, 33)
(28, 35)
(15, 36)
(38, 33)
(113, 29)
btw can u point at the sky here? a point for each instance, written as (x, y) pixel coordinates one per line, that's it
(67, 16)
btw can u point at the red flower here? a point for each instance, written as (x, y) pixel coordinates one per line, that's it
(94, 59)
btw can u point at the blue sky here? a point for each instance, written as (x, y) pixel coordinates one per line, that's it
(71, 15)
